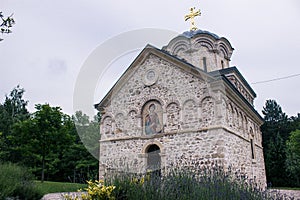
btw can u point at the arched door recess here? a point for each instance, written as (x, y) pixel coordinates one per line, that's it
(153, 159)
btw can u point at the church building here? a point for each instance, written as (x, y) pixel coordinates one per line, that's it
(181, 105)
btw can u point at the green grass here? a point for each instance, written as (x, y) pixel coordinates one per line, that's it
(54, 187)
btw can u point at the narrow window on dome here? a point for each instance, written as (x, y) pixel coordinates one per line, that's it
(204, 64)
(222, 64)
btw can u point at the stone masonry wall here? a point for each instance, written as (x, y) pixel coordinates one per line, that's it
(198, 123)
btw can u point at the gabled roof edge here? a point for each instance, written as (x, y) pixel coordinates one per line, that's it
(138, 58)
(240, 76)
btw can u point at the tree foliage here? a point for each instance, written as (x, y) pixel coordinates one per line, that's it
(13, 110)
(276, 133)
(88, 132)
(45, 141)
(6, 24)
(293, 157)
(48, 135)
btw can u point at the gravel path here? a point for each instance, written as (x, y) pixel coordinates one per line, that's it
(59, 196)
(290, 193)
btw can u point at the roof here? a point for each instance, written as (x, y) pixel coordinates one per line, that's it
(143, 54)
(190, 39)
(235, 71)
(190, 34)
(191, 68)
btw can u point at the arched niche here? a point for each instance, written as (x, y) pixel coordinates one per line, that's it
(173, 117)
(106, 125)
(152, 114)
(119, 123)
(133, 121)
(208, 111)
(189, 114)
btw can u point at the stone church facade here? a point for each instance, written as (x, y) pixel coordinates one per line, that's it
(181, 105)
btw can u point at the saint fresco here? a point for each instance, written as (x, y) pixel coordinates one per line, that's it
(152, 118)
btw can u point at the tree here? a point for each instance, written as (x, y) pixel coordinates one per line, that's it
(49, 145)
(7, 23)
(88, 131)
(15, 105)
(295, 122)
(46, 141)
(13, 110)
(293, 157)
(80, 164)
(49, 135)
(83, 154)
(273, 112)
(275, 121)
(38, 141)
(275, 132)
(275, 158)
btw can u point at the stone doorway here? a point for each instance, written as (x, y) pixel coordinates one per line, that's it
(153, 159)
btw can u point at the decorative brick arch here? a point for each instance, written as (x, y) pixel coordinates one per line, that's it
(106, 126)
(172, 101)
(151, 98)
(148, 144)
(204, 42)
(153, 159)
(105, 116)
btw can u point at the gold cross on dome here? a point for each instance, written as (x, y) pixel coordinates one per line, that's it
(192, 16)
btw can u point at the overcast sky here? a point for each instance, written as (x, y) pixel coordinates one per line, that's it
(52, 39)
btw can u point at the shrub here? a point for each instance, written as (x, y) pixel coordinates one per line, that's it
(204, 184)
(16, 182)
(96, 190)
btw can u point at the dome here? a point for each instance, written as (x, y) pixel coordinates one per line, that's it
(202, 49)
(190, 34)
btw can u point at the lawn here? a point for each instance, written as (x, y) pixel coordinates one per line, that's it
(54, 187)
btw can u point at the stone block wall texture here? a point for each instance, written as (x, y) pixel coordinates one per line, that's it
(200, 122)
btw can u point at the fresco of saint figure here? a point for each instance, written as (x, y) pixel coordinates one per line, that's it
(152, 122)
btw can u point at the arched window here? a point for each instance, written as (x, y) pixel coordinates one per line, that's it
(252, 144)
(204, 64)
(252, 149)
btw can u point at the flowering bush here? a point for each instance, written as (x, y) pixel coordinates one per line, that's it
(96, 190)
